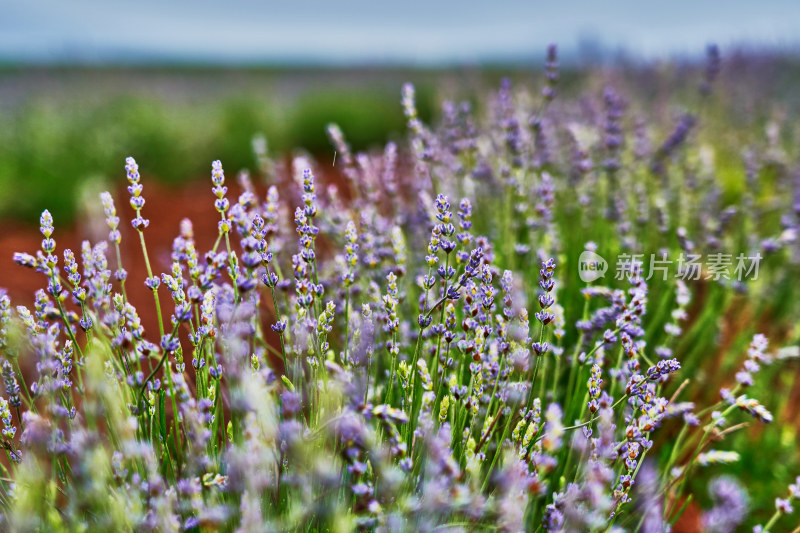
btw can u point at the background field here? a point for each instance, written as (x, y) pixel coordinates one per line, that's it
(66, 127)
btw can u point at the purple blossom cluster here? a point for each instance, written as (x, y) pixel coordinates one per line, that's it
(406, 349)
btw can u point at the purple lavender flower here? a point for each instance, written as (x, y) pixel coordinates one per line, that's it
(111, 217)
(613, 140)
(730, 505)
(547, 284)
(676, 138)
(170, 343)
(595, 381)
(465, 222)
(756, 356)
(551, 73)
(662, 369)
(351, 251)
(713, 67)
(11, 385)
(135, 190)
(221, 204)
(26, 260)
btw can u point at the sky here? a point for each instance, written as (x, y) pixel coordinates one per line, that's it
(421, 32)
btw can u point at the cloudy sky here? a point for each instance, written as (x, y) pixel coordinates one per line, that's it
(358, 31)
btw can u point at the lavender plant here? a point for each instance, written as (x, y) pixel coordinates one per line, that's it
(421, 356)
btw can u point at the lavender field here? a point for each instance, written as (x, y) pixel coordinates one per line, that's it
(562, 301)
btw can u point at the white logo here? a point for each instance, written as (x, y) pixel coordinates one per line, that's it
(591, 266)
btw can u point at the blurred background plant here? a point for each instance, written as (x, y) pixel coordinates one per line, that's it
(63, 126)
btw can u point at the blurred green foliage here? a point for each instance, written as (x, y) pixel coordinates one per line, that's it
(49, 146)
(62, 125)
